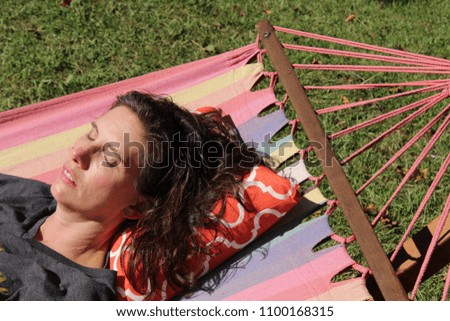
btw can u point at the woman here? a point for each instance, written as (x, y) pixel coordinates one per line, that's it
(146, 164)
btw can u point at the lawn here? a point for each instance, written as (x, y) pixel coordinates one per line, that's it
(54, 48)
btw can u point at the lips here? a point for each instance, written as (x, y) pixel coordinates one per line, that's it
(67, 176)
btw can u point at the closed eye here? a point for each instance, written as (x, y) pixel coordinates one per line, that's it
(111, 155)
(108, 163)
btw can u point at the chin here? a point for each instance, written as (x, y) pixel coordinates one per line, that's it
(59, 191)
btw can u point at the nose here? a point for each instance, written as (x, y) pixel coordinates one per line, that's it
(81, 156)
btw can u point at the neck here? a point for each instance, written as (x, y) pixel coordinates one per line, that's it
(83, 241)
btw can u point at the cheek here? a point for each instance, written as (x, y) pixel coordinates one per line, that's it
(102, 180)
(114, 188)
(104, 188)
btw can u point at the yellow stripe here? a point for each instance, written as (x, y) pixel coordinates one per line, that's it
(210, 86)
(41, 147)
(227, 93)
(38, 166)
(315, 196)
(289, 149)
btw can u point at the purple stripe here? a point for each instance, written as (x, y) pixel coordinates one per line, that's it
(281, 254)
(258, 130)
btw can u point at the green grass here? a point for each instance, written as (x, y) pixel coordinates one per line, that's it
(47, 50)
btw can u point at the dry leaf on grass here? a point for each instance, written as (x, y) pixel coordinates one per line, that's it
(371, 209)
(350, 18)
(65, 3)
(345, 100)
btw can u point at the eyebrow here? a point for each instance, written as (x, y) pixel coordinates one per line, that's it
(94, 125)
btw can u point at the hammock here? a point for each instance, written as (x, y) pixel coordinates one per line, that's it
(34, 138)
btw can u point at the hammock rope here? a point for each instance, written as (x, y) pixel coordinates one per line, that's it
(408, 145)
(446, 286)
(397, 126)
(430, 191)
(442, 87)
(383, 117)
(394, 69)
(410, 172)
(364, 46)
(368, 56)
(419, 83)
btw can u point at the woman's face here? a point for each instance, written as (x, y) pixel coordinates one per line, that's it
(98, 178)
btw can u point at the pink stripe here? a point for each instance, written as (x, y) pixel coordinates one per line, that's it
(46, 118)
(338, 291)
(51, 119)
(48, 177)
(302, 283)
(254, 102)
(38, 165)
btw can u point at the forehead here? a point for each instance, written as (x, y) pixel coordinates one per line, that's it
(121, 120)
(120, 113)
(121, 129)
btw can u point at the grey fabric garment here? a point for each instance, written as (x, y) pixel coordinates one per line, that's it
(30, 270)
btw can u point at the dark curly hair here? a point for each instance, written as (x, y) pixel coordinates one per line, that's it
(194, 162)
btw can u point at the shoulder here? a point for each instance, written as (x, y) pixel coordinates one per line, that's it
(21, 198)
(13, 186)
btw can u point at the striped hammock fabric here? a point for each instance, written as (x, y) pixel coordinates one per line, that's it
(34, 138)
